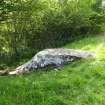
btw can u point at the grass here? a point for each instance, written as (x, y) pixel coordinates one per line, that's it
(79, 83)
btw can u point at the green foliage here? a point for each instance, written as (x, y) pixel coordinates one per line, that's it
(39, 24)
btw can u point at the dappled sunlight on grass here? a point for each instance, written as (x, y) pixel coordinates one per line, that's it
(100, 50)
(88, 43)
(95, 44)
(81, 82)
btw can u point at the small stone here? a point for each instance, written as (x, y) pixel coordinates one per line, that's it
(55, 69)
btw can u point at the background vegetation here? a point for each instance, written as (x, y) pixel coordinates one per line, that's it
(27, 26)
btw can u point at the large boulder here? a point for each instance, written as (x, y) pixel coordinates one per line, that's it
(54, 57)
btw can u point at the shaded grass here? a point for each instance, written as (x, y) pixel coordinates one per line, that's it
(79, 83)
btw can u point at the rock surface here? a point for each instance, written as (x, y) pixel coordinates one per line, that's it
(56, 57)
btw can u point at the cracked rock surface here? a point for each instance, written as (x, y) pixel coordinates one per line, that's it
(54, 57)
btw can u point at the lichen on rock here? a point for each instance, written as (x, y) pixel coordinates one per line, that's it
(55, 57)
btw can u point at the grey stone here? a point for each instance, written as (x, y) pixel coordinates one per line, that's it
(57, 57)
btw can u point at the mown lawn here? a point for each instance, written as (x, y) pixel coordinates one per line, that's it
(79, 83)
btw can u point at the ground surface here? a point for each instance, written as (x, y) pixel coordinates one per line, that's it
(79, 83)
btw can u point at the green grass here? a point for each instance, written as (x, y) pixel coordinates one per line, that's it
(79, 83)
